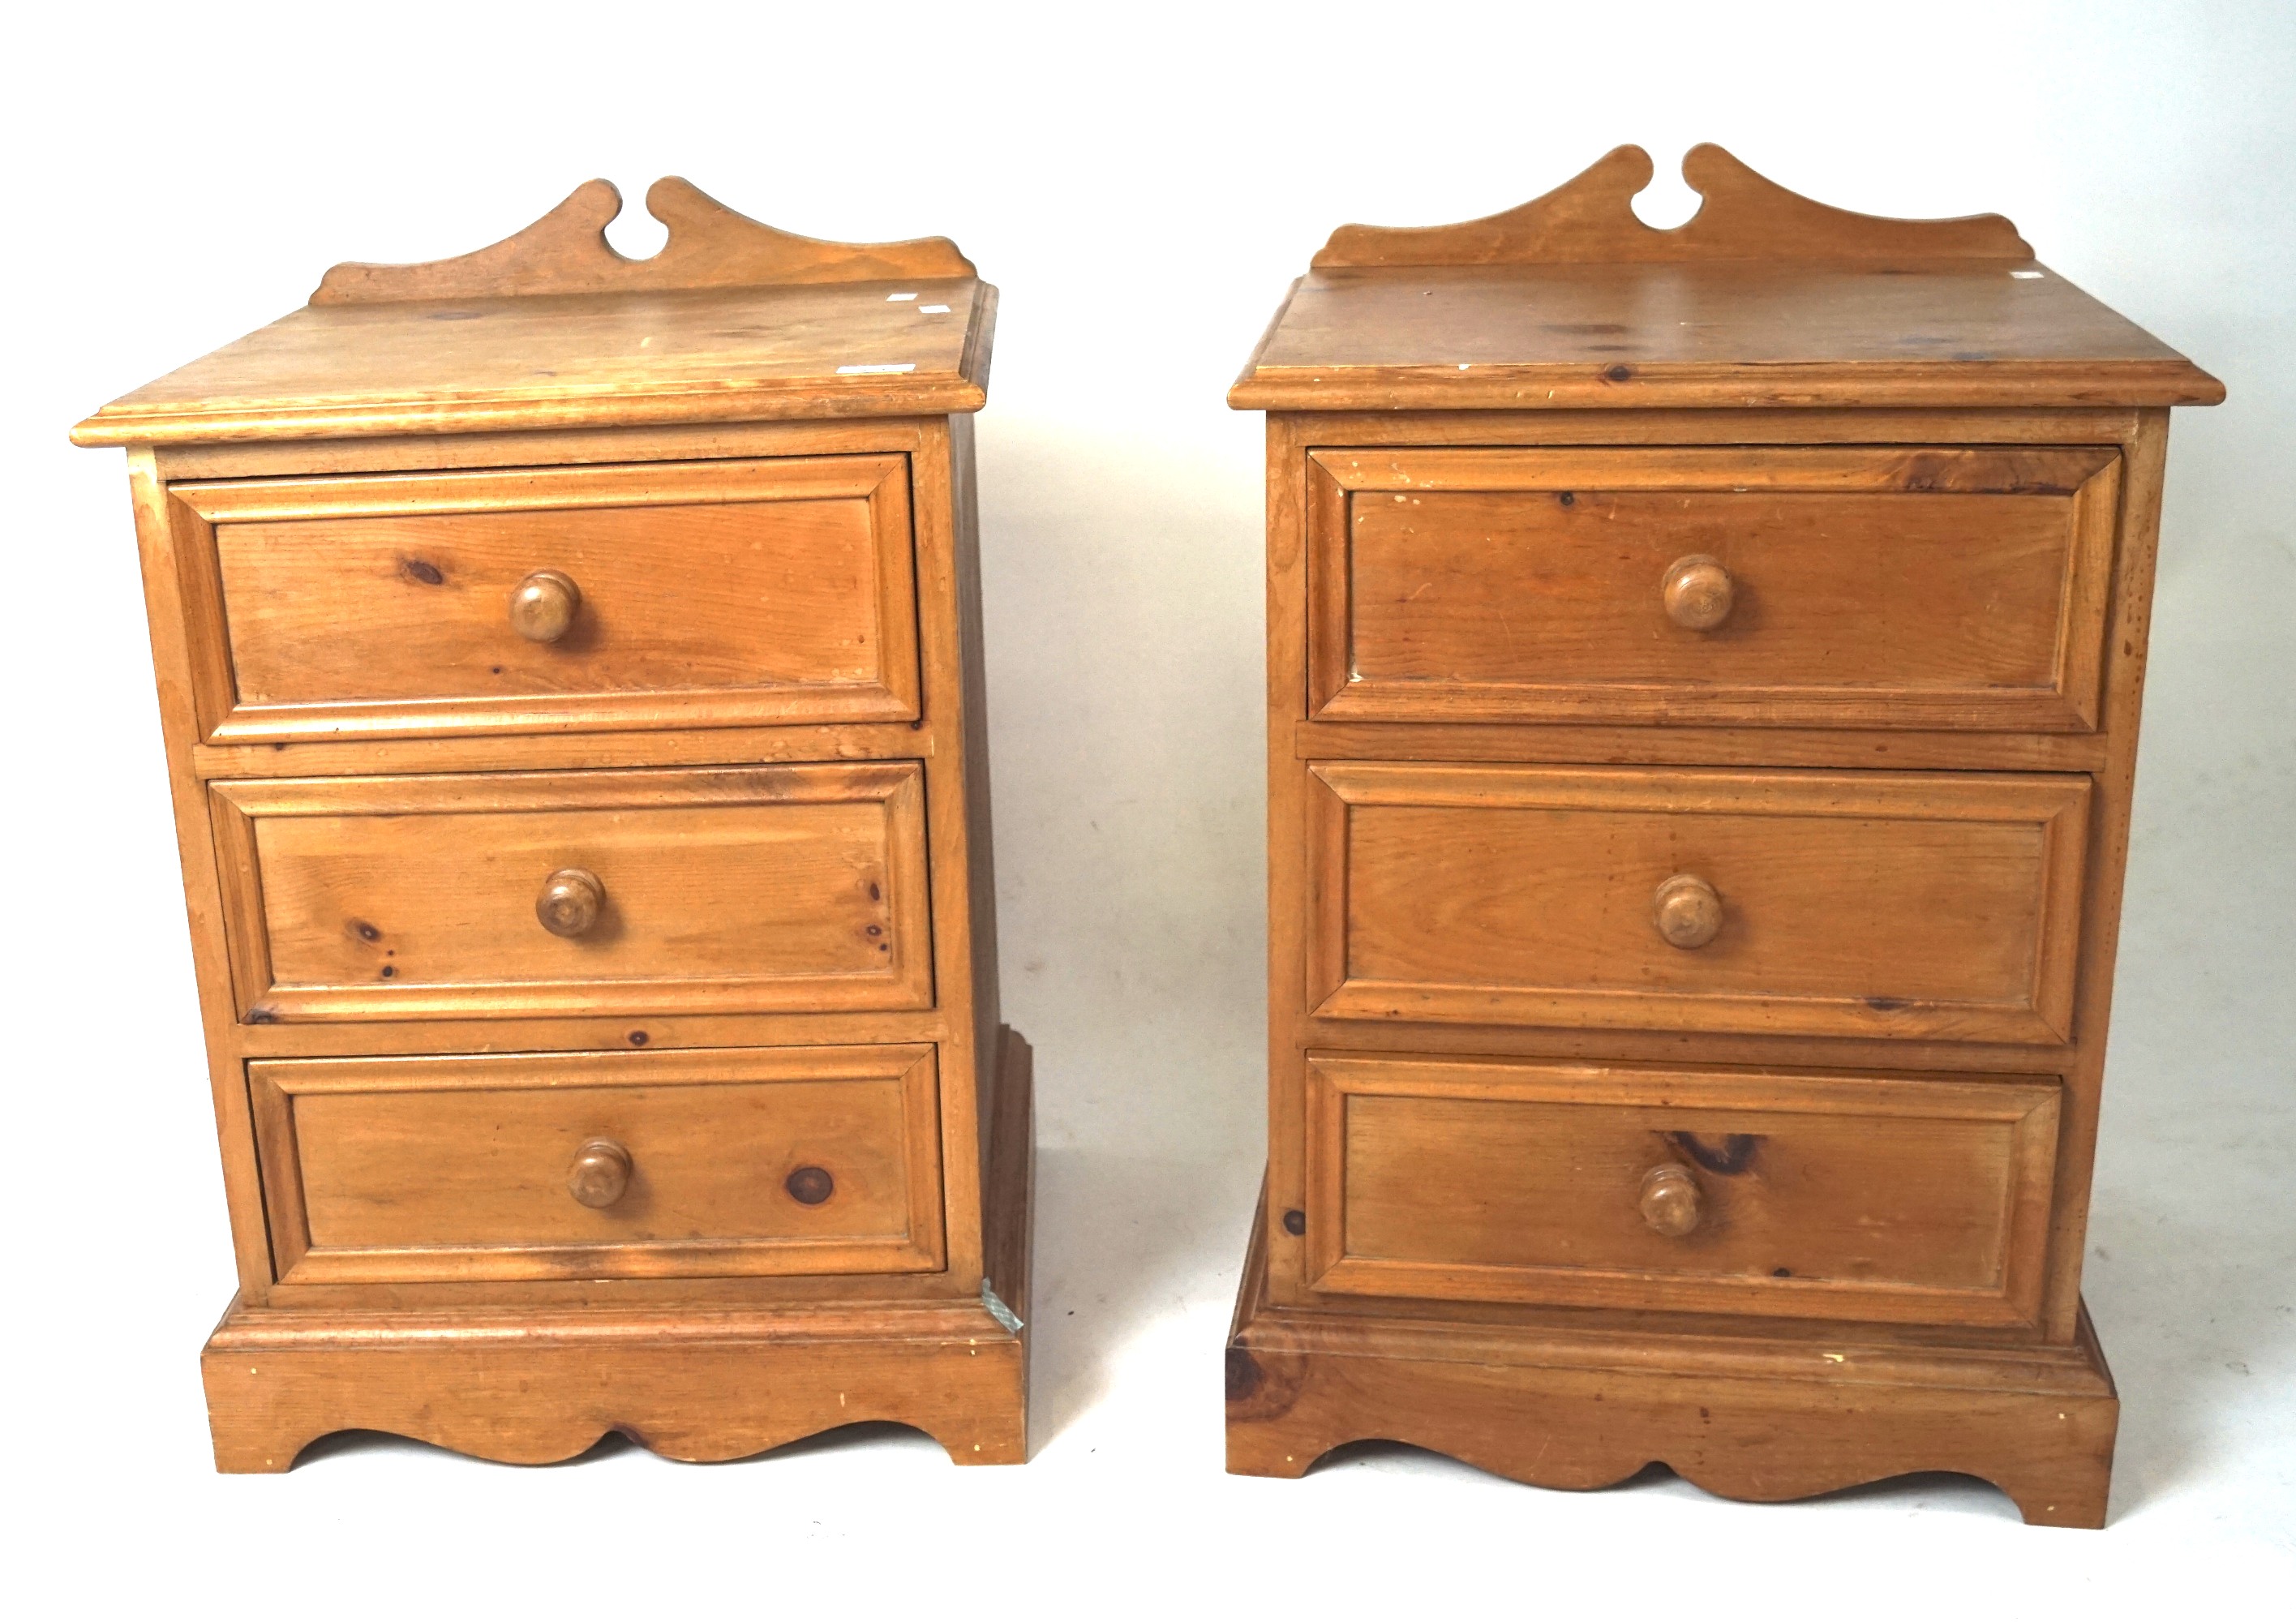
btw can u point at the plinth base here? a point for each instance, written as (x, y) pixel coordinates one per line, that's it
(534, 1386)
(1742, 1417)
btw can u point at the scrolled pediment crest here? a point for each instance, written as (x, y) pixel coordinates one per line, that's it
(1590, 219)
(566, 251)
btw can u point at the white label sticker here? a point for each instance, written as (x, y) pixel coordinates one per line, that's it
(906, 366)
(2026, 275)
(932, 309)
(898, 298)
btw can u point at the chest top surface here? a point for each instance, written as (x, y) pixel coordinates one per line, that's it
(732, 321)
(1762, 298)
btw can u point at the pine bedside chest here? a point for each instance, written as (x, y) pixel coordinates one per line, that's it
(1703, 678)
(570, 674)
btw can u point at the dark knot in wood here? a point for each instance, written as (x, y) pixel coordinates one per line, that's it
(1735, 1155)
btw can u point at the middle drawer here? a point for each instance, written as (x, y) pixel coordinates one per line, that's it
(717, 889)
(1850, 904)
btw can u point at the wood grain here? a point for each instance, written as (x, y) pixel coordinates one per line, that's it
(582, 361)
(1733, 336)
(1763, 299)
(536, 1384)
(710, 245)
(531, 1387)
(1584, 1407)
(1494, 1237)
(727, 890)
(437, 452)
(1002, 1187)
(2146, 459)
(1590, 219)
(732, 321)
(1818, 1195)
(955, 783)
(1854, 904)
(456, 1167)
(1009, 1177)
(499, 1016)
(175, 661)
(980, 853)
(711, 593)
(1756, 426)
(1643, 744)
(1913, 587)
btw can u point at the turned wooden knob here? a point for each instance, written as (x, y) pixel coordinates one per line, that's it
(1688, 912)
(1698, 591)
(1670, 1200)
(543, 605)
(601, 1172)
(571, 901)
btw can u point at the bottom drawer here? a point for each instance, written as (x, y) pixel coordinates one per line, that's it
(598, 1166)
(1901, 1198)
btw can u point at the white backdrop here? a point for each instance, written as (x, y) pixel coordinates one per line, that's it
(1141, 183)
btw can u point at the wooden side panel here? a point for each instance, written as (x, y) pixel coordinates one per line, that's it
(1903, 587)
(959, 846)
(2145, 456)
(169, 595)
(1293, 898)
(712, 594)
(980, 852)
(1921, 1200)
(1852, 904)
(762, 1161)
(764, 889)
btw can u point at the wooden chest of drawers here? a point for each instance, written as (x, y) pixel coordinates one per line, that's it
(1703, 677)
(570, 675)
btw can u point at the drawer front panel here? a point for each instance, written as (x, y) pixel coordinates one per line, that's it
(1843, 903)
(1910, 1199)
(718, 1163)
(1865, 586)
(703, 594)
(722, 889)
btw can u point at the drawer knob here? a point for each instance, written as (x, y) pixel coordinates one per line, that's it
(1688, 912)
(543, 607)
(1670, 1200)
(1698, 591)
(600, 1173)
(810, 1184)
(571, 901)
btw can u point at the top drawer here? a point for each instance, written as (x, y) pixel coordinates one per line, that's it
(699, 594)
(1865, 586)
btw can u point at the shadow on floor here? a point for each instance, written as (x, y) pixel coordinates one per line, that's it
(1123, 1242)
